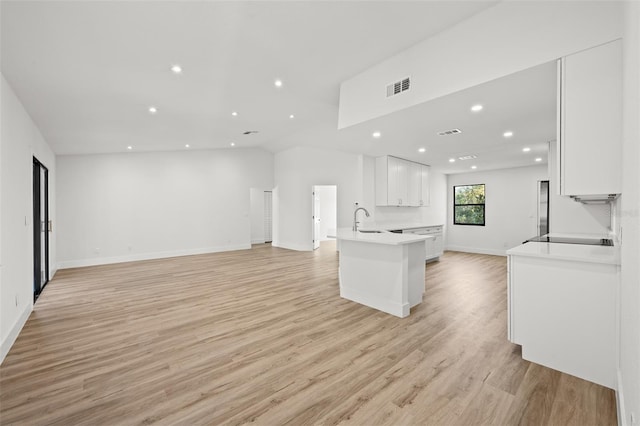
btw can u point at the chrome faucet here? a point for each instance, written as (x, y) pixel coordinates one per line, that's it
(355, 214)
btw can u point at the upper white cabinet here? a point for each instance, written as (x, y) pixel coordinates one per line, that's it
(401, 182)
(425, 193)
(590, 121)
(414, 183)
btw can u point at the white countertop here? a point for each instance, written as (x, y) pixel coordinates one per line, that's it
(379, 238)
(573, 252)
(395, 226)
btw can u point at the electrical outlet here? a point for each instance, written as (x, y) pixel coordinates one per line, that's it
(96, 250)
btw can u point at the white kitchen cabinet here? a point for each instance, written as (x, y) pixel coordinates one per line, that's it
(563, 311)
(401, 182)
(391, 181)
(438, 243)
(425, 192)
(434, 246)
(414, 184)
(590, 121)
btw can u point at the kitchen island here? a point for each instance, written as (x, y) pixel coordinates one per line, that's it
(382, 270)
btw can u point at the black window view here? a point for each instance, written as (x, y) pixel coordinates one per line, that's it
(468, 205)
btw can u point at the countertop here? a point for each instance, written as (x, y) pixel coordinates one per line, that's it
(379, 238)
(573, 252)
(395, 226)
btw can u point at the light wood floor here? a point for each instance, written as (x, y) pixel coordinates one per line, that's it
(262, 336)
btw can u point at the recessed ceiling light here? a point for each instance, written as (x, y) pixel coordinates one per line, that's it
(176, 69)
(474, 167)
(507, 134)
(538, 159)
(527, 149)
(232, 144)
(292, 116)
(452, 160)
(129, 147)
(153, 110)
(186, 145)
(422, 150)
(476, 108)
(376, 134)
(278, 83)
(235, 114)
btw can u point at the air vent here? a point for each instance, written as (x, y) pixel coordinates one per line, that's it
(467, 157)
(450, 132)
(249, 132)
(398, 87)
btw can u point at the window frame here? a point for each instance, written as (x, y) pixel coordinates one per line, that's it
(484, 209)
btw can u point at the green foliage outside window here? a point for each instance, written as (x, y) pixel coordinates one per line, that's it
(468, 205)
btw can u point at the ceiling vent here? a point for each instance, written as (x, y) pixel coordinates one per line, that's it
(450, 132)
(467, 157)
(398, 87)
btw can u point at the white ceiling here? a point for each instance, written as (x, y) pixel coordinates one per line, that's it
(523, 103)
(88, 71)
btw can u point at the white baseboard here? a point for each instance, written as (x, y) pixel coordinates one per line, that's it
(293, 246)
(147, 256)
(382, 304)
(15, 330)
(493, 252)
(622, 413)
(258, 241)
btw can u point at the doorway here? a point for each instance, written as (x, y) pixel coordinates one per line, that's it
(543, 208)
(268, 216)
(40, 227)
(325, 212)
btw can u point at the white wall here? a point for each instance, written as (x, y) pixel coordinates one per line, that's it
(629, 378)
(328, 196)
(509, 37)
(510, 210)
(297, 170)
(131, 206)
(20, 141)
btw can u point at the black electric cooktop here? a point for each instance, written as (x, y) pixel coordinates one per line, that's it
(568, 240)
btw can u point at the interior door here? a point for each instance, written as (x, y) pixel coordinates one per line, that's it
(316, 218)
(268, 216)
(40, 227)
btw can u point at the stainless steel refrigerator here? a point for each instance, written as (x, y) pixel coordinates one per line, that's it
(543, 207)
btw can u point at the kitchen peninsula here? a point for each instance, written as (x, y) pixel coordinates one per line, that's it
(382, 270)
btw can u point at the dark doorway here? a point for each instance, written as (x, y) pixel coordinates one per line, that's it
(40, 227)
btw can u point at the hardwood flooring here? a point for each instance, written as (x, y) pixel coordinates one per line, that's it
(261, 336)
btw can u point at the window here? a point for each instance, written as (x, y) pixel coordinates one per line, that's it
(468, 205)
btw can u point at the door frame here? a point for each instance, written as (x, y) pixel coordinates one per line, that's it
(315, 218)
(40, 227)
